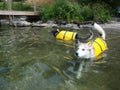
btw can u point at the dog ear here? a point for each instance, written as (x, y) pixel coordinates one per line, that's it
(87, 38)
(90, 44)
(58, 30)
(55, 32)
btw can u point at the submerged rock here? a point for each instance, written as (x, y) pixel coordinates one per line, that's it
(20, 23)
(4, 22)
(48, 24)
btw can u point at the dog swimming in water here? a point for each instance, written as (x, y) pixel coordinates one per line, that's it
(93, 48)
(69, 35)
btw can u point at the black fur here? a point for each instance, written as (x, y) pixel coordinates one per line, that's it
(55, 32)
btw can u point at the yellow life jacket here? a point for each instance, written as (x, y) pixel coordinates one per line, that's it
(66, 35)
(99, 46)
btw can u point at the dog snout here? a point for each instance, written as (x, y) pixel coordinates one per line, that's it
(76, 54)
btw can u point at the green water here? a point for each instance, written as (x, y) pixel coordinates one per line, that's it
(31, 59)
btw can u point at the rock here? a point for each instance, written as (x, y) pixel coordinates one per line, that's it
(55, 26)
(4, 22)
(39, 22)
(35, 24)
(45, 25)
(21, 23)
(71, 26)
(48, 24)
(23, 18)
(86, 26)
(60, 22)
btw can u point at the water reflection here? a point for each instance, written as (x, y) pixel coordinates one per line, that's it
(30, 58)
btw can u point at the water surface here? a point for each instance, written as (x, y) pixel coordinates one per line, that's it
(31, 59)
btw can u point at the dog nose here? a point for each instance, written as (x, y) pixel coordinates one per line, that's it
(76, 54)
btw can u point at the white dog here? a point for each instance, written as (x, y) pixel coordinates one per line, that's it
(93, 48)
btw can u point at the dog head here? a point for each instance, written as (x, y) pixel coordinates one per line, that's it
(84, 50)
(55, 32)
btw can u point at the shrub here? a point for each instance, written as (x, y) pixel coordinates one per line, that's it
(101, 13)
(21, 6)
(47, 12)
(87, 12)
(3, 6)
(65, 10)
(62, 10)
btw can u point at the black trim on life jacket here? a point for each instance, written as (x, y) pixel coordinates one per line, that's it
(64, 35)
(72, 36)
(99, 45)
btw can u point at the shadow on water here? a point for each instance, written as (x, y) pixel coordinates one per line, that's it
(31, 59)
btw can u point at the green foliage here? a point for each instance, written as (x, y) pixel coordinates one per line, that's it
(21, 7)
(101, 13)
(65, 10)
(16, 6)
(3, 6)
(47, 12)
(87, 13)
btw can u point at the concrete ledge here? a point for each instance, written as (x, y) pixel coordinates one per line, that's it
(19, 13)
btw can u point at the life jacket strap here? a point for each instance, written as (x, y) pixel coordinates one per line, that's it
(72, 36)
(64, 35)
(99, 45)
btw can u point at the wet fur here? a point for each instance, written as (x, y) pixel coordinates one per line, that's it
(86, 50)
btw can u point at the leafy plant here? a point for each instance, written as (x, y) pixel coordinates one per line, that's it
(62, 10)
(87, 12)
(65, 10)
(3, 6)
(47, 12)
(101, 13)
(21, 6)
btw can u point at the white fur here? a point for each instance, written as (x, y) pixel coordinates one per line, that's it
(100, 30)
(86, 50)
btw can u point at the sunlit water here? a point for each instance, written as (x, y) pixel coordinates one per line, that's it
(31, 59)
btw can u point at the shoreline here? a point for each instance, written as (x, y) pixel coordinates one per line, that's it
(114, 24)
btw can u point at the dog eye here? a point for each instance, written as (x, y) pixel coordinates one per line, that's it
(83, 49)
